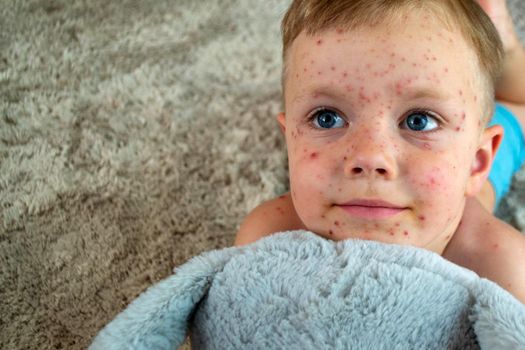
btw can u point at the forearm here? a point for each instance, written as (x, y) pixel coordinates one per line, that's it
(511, 87)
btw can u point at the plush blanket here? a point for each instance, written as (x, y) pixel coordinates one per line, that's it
(134, 134)
(296, 290)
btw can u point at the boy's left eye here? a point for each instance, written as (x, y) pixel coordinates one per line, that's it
(420, 121)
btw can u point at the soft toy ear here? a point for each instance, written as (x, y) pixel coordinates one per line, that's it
(158, 319)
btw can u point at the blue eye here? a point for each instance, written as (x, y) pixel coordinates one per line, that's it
(327, 119)
(420, 121)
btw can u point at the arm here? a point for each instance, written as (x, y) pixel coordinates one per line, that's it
(511, 87)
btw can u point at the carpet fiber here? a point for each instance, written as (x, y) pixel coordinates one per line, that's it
(133, 135)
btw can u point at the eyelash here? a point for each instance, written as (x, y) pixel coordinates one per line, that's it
(427, 113)
(315, 113)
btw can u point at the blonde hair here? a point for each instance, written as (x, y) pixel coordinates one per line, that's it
(316, 16)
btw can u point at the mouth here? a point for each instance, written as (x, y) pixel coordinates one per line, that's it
(371, 209)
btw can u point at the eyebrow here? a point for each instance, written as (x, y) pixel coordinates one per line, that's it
(420, 92)
(411, 93)
(325, 91)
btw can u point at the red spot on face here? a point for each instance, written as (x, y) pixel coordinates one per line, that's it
(330, 232)
(421, 218)
(405, 233)
(313, 155)
(336, 223)
(391, 232)
(398, 224)
(458, 128)
(340, 31)
(460, 92)
(345, 74)
(427, 146)
(332, 68)
(319, 42)
(463, 116)
(496, 246)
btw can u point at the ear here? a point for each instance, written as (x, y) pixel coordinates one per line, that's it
(489, 144)
(159, 318)
(281, 119)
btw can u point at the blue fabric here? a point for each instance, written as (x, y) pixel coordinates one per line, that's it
(511, 153)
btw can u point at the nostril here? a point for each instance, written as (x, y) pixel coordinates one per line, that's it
(357, 171)
(381, 171)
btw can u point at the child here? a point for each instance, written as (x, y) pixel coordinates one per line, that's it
(386, 112)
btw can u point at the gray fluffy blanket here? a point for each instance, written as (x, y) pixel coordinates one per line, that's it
(134, 134)
(296, 290)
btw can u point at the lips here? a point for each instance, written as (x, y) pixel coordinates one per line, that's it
(371, 209)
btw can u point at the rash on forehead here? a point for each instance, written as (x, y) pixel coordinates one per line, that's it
(425, 57)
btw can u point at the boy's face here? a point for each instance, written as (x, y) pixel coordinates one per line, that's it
(383, 130)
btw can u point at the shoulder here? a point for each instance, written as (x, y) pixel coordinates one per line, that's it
(491, 248)
(504, 257)
(274, 215)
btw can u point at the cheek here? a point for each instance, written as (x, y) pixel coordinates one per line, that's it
(439, 189)
(309, 166)
(311, 179)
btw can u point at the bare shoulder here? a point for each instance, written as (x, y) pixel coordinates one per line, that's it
(504, 257)
(274, 215)
(491, 248)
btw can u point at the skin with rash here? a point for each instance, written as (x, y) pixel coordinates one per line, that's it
(386, 141)
(371, 154)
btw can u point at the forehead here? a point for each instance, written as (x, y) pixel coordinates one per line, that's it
(416, 48)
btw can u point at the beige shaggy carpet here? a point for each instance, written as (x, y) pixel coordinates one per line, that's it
(134, 134)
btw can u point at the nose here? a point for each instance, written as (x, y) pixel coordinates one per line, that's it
(371, 159)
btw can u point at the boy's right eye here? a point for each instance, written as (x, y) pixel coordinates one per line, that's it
(325, 118)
